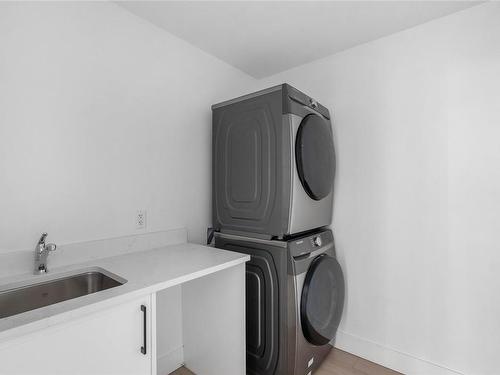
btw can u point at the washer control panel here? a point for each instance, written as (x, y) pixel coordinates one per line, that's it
(316, 241)
(309, 243)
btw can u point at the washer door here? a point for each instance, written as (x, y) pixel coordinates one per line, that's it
(315, 156)
(322, 300)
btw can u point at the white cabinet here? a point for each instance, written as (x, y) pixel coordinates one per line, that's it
(201, 324)
(105, 342)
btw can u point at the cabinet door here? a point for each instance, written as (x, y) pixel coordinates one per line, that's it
(106, 342)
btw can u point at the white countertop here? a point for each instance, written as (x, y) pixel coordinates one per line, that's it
(145, 271)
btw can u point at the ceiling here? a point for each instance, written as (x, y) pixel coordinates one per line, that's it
(262, 38)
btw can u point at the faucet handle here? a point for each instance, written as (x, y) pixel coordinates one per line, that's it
(50, 246)
(42, 238)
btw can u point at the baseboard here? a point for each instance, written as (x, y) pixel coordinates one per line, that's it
(170, 362)
(388, 357)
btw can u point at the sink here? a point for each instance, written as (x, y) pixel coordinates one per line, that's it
(19, 299)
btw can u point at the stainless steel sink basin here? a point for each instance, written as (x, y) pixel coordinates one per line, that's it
(33, 296)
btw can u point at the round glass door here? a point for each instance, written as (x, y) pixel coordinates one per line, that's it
(315, 156)
(322, 300)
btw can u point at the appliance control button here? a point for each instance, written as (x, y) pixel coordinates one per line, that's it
(313, 103)
(317, 241)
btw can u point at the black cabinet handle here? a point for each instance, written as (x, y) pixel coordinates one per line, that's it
(143, 348)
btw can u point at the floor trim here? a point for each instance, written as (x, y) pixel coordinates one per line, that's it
(170, 361)
(388, 357)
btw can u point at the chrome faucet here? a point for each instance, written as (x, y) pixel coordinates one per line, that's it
(41, 253)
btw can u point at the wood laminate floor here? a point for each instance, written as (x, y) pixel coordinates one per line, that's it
(338, 362)
(182, 371)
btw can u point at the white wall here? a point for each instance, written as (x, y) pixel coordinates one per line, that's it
(101, 114)
(417, 201)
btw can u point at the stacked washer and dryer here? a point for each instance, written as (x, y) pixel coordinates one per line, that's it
(273, 173)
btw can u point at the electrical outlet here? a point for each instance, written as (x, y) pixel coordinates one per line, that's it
(140, 219)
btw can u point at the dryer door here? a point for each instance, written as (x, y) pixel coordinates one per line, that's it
(315, 157)
(322, 300)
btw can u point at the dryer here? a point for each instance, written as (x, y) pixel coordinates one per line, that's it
(273, 164)
(294, 301)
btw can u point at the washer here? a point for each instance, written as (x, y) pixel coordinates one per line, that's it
(316, 300)
(294, 301)
(273, 164)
